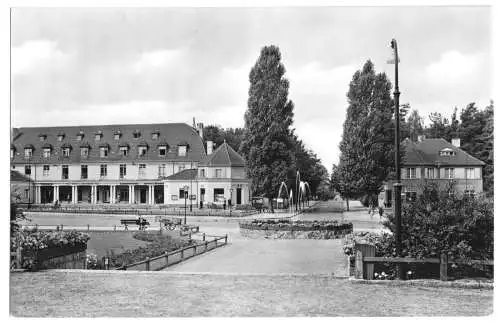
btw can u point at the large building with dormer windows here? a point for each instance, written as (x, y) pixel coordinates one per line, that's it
(437, 161)
(150, 164)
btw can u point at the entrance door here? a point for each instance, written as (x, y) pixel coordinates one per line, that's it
(238, 196)
(143, 196)
(202, 194)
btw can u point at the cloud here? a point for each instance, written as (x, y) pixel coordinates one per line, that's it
(158, 59)
(36, 54)
(454, 67)
(312, 78)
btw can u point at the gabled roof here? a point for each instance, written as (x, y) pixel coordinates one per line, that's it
(426, 152)
(18, 177)
(189, 174)
(173, 134)
(224, 155)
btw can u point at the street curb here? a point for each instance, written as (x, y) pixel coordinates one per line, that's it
(427, 283)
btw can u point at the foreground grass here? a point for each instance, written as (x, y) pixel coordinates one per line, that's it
(127, 294)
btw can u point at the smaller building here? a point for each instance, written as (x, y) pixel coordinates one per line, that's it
(21, 188)
(437, 161)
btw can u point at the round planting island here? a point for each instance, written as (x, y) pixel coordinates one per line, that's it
(288, 229)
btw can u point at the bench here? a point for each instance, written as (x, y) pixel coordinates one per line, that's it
(142, 223)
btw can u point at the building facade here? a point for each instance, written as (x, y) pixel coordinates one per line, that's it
(123, 164)
(440, 162)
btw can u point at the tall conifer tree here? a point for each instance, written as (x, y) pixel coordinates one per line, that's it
(268, 144)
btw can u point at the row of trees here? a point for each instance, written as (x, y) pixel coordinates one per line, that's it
(272, 150)
(367, 146)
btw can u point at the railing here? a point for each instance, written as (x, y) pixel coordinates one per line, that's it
(364, 264)
(170, 258)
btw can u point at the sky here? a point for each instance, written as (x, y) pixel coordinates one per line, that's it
(89, 66)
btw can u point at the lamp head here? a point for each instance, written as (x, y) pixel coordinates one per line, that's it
(393, 43)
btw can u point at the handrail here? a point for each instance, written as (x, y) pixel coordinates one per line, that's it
(147, 261)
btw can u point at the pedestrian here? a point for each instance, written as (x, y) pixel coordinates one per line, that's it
(380, 212)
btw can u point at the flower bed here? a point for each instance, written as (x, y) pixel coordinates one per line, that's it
(41, 246)
(287, 229)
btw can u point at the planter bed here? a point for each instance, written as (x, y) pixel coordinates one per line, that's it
(287, 229)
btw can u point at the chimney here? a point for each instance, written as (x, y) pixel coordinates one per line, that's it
(210, 147)
(200, 130)
(421, 138)
(455, 142)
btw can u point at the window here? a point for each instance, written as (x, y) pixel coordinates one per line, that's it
(27, 170)
(163, 150)
(155, 135)
(136, 135)
(84, 152)
(411, 173)
(65, 173)
(124, 150)
(46, 170)
(202, 173)
(104, 170)
(117, 136)
(183, 193)
(43, 137)
(470, 173)
(79, 137)
(28, 152)
(84, 172)
(97, 137)
(218, 194)
(60, 137)
(218, 173)
(46, 153)
(161, 170)
(430, 173)
(104, 151)
(142, 150)
(142, 170)
(470, 194)
(182, 151)
(66, 151)
(447, 152)
(123, 170)
(449, 173)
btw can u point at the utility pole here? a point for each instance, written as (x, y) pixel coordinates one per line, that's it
(397, 185)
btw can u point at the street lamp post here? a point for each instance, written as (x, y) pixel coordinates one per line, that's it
(186, 189)
(397, 185)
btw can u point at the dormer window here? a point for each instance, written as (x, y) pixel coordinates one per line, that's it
(84, 152)
(60, 136)
(46, 153)
(136, 134)
(182, 151)
(28, 152)
(124, 150)
(117, 135)
(162, 150)
(98, 136)
(80, 136)
(66, 152)
(447, 152)
(155, 135)
(142, 150)
(42, 137)
(104, 150)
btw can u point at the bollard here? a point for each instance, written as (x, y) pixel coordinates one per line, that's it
(443, 267)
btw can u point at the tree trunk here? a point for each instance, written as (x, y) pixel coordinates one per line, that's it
(347, 201)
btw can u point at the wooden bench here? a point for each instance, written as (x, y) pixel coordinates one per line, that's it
(142, 223)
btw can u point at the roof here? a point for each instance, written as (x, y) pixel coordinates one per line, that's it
(224, 155)
(174, 134)
(426, 152)
(189, 174)
(18, 177)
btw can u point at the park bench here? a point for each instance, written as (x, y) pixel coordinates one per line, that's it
(142, 223)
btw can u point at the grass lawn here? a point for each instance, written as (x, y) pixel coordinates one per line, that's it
(127, 294)
(102, 242)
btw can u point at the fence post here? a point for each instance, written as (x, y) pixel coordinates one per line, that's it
(194, 250)
(443, 267)
(182, 254)
(215, 242)
(124, 267)
(359, 265)
(166, 258)
(147, 263)
(206, 245)
(225, 239)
